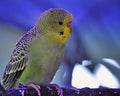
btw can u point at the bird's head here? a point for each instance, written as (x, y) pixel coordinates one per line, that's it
(55, 24)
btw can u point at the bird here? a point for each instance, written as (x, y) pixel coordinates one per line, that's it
(39, 52)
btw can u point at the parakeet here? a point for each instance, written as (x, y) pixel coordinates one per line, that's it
(39, 52)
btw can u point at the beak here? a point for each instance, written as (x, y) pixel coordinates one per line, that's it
(70, 26)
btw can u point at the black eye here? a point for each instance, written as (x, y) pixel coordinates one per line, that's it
(61, 32)
(60, 23)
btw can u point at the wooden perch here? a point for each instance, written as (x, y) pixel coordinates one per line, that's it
(45, 91)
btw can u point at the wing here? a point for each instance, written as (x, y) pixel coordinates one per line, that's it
(14, 69)
(18, 61)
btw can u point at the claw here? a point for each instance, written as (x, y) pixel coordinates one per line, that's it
(58, 88)
(21, 85)
(36, 87)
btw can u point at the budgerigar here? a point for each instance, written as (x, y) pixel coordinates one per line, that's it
(38, 53)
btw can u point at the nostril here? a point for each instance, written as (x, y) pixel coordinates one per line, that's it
(69, 24)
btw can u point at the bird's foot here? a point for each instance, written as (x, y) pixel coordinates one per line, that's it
(36, 87)
(21, 85)
(58, 88)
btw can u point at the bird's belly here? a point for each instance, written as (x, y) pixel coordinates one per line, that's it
(43, 66)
